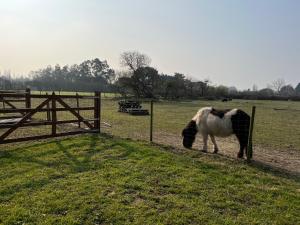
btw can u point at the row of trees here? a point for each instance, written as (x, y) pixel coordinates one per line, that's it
(144, 81)
(89, 75)
(138, 78)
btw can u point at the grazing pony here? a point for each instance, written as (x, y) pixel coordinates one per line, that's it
(219, 123)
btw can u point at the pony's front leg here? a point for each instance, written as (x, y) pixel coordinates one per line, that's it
(216, 149)
(205, 137)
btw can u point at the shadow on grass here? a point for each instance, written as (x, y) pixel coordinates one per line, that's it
(60, 168)
(71, 163)
(262, 166)
(62, 160)
(276, 171)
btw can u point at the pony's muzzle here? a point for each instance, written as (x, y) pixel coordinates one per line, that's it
(187, 142)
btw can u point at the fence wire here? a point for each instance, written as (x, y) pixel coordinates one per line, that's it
(122, 124)
(276, 134)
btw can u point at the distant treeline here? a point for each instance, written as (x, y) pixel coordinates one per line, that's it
(139, 80)
(90, 75)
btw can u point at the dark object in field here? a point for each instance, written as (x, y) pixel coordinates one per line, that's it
(226, 99)
(132, 107)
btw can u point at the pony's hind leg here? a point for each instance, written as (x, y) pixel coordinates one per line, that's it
(216, 149)
(241, 152)
(243, 139)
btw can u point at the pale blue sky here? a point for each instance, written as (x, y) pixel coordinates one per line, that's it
(232, 42)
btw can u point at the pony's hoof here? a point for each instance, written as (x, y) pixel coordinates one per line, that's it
(216, 151)
(203, 150)
(240, 155)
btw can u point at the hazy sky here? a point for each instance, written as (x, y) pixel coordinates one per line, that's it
(232, 42)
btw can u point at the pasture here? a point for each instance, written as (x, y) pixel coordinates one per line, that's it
(97, 179)
(113, 179)
(276, 130)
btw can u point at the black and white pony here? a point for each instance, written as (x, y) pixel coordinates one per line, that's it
(220, 123)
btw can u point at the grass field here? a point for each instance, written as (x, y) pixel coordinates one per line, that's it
(95, 179)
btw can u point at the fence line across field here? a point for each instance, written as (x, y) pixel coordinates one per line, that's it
(80, 104)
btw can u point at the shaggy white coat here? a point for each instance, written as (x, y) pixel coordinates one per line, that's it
(209, 124)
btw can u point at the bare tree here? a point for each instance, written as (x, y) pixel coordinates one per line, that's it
(297, 89)
(287, 91)
(134, 60)
(276, 85)
(232, 90)
(254, 88)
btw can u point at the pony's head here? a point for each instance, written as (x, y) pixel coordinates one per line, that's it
(189, 134)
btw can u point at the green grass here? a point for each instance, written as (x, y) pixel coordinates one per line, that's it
(101, 180)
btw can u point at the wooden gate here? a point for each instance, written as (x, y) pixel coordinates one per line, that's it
(49, 105)
(12, 99)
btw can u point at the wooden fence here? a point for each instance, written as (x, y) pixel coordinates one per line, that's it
(48, 103)
(13, 98)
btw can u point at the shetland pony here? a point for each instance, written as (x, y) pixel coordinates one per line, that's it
(220, 123)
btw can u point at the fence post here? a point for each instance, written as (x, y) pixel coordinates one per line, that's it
(28, 98)
(151, 120)
(97, 111)
(249, 145)
(54, 119)
(3, 103)
(48, 110)
(77, 104)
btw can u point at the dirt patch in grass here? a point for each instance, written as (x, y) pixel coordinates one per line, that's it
(287, 160)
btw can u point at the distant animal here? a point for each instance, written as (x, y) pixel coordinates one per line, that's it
(226, 99)
(209, 121)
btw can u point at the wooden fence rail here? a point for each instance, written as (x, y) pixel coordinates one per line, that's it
(9, 98)
(48, 104)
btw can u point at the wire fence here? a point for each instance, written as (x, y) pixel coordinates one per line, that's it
(169, 118)
(276, 134)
